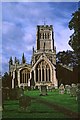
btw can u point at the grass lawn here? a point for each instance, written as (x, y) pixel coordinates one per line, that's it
(37, 109)
(62, 99)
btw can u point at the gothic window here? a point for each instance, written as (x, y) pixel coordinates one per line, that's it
(42, 74)
(27, 77)
(16, 74)
(48, 35)
(37, 75)
(40, 35)
(49, 74)
(43, 71)
(43, 35)
(33, 75)
(46, 74)
(24, 75)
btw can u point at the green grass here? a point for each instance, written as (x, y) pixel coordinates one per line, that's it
(38, 109)
(33, 115)
(62, 99)
(35, 110)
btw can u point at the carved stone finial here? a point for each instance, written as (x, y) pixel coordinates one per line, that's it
(11, 61)
(44, 21)
(23, 59)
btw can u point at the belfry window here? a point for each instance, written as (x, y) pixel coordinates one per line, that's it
(45, 35)
(48, 35)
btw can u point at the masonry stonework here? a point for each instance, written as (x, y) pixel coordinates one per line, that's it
(42, 69)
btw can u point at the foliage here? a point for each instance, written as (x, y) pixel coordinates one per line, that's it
(6, 80)
(67, 58)
(74, 41)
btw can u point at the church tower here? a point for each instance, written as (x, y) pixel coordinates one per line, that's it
(45, 38)
(44, 57)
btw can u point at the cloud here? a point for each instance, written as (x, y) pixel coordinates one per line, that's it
(61, 37)
(19, 21)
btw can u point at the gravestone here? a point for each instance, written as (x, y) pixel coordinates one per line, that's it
(5, 93)
(25, 88)
(73, 90)
(67, 89)
(61, 89)
(14, 94)
(50, 88)
(43, 90)
(32, 87)
(24, 102)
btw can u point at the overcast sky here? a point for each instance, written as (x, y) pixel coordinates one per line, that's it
(19, 21)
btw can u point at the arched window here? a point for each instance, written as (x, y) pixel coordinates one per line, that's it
(42, 72)
(24, 75)
(48, 36)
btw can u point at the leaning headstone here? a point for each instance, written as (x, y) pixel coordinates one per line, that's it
(73, 90)
(67, 89)
(43, 90)
(61, 89)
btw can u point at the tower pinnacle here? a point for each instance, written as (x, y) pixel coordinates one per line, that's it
(44, 21)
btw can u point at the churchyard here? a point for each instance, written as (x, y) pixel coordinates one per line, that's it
(55, 103)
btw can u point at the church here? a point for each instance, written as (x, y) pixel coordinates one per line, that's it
(42, 70)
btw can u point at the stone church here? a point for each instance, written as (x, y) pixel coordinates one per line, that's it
(42, 70)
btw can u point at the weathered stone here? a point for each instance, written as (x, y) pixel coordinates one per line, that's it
(24, 74)
(61, 89)
(13, 94)
(67, 89)
(21, 92)
(24, 102)
(5, 93)
(43, 90)
(50, 88)
(73, 90)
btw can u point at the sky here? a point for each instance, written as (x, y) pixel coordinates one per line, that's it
(19, 22)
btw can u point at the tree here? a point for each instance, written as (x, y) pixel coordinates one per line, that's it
(74, 41)
(66, 58)
(6, 80)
